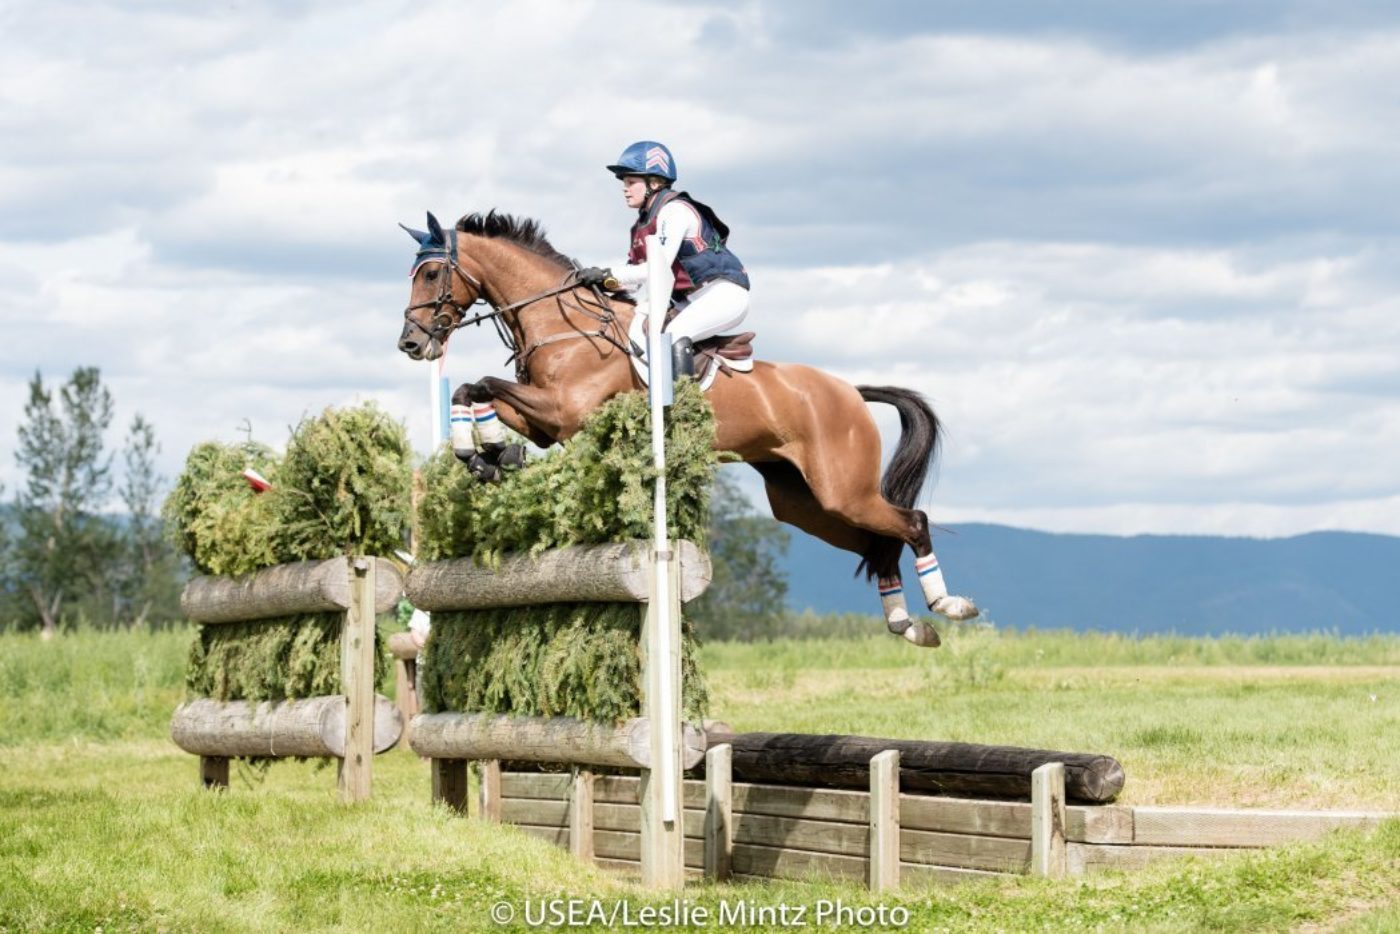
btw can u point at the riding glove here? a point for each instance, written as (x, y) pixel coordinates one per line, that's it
(594, 275)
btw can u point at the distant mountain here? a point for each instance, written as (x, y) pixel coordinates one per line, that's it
(1193, 585)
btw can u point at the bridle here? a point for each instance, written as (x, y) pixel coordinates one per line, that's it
(450, 314)
(444, 323)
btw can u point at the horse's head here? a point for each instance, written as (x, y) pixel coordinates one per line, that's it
(442, 291)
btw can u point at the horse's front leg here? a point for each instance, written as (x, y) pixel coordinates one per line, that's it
(554, 414)
(479, 437)
(475, 396)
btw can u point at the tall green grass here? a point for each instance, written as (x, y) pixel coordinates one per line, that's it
(1060, 648)
(90, 685)
(122, 839)
(103, 825)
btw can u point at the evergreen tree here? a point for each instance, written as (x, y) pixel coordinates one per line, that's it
(7, 601)
(747, 596)
(65, 548)
(149, 578)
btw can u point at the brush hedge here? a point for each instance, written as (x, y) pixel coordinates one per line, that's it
(342, 487)
(578, 660)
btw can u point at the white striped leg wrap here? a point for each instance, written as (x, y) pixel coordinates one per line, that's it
(892, 600)
(930, 578)
(462, 444)
(488, 426)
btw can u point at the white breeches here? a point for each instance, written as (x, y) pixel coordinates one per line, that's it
(717, 307)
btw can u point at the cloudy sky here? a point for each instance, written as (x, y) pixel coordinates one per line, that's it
(1142, 258)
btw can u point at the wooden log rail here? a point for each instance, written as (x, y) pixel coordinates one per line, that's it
(967, 769)
(616, 573)
(545, 739)
(284, 590)
(313, 727)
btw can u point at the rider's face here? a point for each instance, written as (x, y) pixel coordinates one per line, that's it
(634, 190)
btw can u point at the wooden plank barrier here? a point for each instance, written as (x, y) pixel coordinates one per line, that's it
(794, 832)
(351, 727)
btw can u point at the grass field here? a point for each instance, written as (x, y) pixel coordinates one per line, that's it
(102, 825)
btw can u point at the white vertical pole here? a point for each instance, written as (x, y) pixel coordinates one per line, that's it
(659, 284)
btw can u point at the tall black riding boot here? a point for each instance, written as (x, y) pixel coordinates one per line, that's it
(683, 358)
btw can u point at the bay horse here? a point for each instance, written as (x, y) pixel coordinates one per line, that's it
(809, 434)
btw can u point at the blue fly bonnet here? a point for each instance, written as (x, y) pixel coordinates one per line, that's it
(436, 245)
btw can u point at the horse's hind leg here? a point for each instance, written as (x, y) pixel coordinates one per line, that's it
(792, 502)
(842, 470)
(893, 528)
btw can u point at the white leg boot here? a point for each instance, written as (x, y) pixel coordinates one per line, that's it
(488, 424)
(897, 615)
(463, 444)
(936, 591)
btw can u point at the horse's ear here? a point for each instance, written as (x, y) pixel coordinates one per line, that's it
(418, 236)
(435, 229)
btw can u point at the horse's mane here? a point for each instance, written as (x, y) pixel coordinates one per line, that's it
(519, 230)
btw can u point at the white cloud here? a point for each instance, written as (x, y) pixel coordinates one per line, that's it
(1147, 288)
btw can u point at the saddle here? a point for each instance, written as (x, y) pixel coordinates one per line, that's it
(723, 353)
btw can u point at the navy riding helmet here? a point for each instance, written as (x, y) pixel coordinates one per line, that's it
(645, 157)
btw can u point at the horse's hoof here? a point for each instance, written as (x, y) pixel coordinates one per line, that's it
(483, 470)
(923, 635)
(954, 609)
(505, 456)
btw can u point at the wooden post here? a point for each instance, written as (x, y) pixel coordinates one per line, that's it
(581, 815)
(357, 677)
(490, 791)
(213, 772)
(719, 812)
(1048, 851)
(450, 783)
(884, 821)
(404, 698)
(663, 842)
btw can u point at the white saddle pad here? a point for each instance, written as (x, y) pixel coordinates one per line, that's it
(637, 334)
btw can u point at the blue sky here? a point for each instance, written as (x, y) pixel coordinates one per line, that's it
(1142, 258)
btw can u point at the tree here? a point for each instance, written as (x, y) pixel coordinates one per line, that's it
(7, 609)
(65, 547)
(149, 584)
(747, 596)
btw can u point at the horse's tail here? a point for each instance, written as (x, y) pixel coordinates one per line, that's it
(908, 470)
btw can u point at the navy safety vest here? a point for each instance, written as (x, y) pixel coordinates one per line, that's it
(701, 258)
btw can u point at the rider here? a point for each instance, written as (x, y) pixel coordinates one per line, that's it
(711, 293)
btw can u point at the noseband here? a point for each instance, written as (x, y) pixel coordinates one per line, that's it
(444, 321)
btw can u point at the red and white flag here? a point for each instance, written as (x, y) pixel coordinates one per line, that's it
(257, 481)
